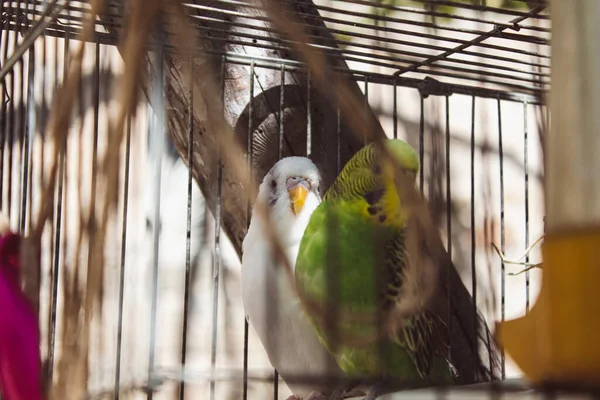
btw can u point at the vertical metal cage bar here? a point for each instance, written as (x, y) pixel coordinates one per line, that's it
(188, 237)
(8, 136)
(21, 130)
(275, 383)
(245, 367)
(40, 159)
(448, 219)
(217, 247)
(96, 94)
(421, 142)
(56, 265)
(52, 320)
(281, 111)
(448, 183)
(31, 127)
(28, 139)
(157, 145)
(58, 227)
(526, 182)
(96, 122)
(502, 232)
(332, 281)
(43, 116)
(5, 99)
(20, 123)
(279, 156)
(23, 122)
(308, 115)
(473, 261)
(338, 140)
(13, 121)
(365, 134)
(395, 110)
(29, 121)
(272, 303)
(116, 393)
(248, 216)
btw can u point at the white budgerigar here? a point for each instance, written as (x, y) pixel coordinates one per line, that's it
(291, 190)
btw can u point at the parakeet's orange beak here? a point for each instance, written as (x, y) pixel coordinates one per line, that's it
(298, 193)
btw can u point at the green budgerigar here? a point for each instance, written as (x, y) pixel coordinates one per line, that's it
(357, 237)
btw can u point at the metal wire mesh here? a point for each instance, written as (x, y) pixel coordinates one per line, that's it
(383, 41)
(405, 60)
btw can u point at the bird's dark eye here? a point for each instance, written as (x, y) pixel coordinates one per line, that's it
(273, 184)
(376, 169)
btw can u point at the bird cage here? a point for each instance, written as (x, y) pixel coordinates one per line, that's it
(135, 134)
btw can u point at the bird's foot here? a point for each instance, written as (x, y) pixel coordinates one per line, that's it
(338, 395)
(380, 388)
(311, 396)
(346, 391)
(353, 393)
(316, 396)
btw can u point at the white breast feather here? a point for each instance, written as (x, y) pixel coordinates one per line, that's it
(290, 341)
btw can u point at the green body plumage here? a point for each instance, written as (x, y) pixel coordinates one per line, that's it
(367, 222)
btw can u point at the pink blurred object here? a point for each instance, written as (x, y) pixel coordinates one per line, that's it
(20, 367)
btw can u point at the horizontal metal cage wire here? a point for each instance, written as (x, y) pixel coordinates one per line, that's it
(463, 45)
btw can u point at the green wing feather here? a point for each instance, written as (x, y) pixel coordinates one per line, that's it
(364, 206)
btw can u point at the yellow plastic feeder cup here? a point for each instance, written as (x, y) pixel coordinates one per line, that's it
(558, 341)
